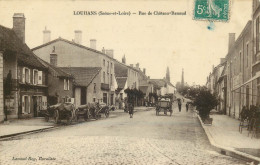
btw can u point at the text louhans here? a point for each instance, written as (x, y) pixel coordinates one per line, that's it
(127, 13)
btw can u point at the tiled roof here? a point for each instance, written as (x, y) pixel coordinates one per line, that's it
(55, 70)
(72, 43)
(10, 42)
(121, 82)
(160, 82)
(83, 75)
(120, 70)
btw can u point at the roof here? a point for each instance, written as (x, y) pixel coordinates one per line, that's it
(10, 42)
(83, 75)
(121, 82)
(120, 70)
(72, 43)
(55, 70)
(160, 82)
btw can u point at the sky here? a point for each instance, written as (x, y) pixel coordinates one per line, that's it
(153, 41)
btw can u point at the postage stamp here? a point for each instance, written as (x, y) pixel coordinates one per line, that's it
(212, 10)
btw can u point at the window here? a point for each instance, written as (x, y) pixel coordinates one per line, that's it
(240, 61)
(26, 104)
(104, 62)
(35, 77)
(26, 75)
(111, 79)
(108, 67)
(94, 100)
(104, 77)
(95, 88)
(247, 52)
(108, 78)
(66, 84)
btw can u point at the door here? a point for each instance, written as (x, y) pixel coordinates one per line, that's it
(112, 99)
(105, 98)
(247, 96)
(83, 96)
(35, 105)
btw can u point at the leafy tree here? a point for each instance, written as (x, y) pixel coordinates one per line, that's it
(205, 102)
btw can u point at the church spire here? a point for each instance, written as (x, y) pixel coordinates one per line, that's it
(182, 78)
(168, 74)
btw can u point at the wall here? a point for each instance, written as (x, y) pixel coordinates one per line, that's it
(1, 88)
(77, 95)
(56, 87)
(90, 90)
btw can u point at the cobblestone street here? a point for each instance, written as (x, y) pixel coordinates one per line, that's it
(144, 139)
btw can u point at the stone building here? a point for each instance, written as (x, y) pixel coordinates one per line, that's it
(74, 54)
(87, 85)
(239, 63)
(24, 77)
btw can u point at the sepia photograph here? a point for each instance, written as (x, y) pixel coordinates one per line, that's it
(130, 82)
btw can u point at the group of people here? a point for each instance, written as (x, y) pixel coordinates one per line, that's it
(180, 104)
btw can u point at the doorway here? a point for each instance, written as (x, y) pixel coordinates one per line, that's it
(112, 99)
(83, 96)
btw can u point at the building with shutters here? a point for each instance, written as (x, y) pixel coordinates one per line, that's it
(24, 77)
(74, 54)
(86, 84)
(60, 84)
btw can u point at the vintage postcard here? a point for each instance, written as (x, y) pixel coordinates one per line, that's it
(129, 82)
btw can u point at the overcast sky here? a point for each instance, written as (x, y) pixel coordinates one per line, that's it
(154, 41)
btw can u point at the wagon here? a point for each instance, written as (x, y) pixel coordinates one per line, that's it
(102, 108)
(164, 105)
(83, 111)
(63, 111)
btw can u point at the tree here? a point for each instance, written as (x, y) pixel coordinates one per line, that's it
(205, 102)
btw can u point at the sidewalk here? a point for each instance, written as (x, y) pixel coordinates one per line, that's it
(225, 136)
(22, 126)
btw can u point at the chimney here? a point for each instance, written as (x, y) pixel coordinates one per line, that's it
(103, 50)
(123, 60)
(93, 43)
(46, 35)
(19, 25)
(144, 70)
(132, 65)
(231, 40)
(137, 66)
(78, 36)
(110, 52)
(53, 57)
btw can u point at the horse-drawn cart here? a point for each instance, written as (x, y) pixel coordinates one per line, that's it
(92, 110)
(164, 104)
(60, 111)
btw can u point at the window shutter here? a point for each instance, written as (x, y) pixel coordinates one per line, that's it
(23, 75)
(68, 84)
(39, 77)
(44, 102)
(29, 71)
(72, 100)
(23, 104)
(29, 102)
(64, 84)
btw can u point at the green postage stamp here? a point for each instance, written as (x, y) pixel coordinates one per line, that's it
(212, 10)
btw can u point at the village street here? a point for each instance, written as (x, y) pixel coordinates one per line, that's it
(143, 139)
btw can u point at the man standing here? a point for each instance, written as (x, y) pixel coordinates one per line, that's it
(187, 107)
(179, 105)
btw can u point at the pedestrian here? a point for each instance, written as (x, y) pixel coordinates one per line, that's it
(131, 110)
(179, 105)
(187, 107)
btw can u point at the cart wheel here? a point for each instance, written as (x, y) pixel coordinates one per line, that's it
(56, 116)
(46, 118)
(107, 114)
(69, 118)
